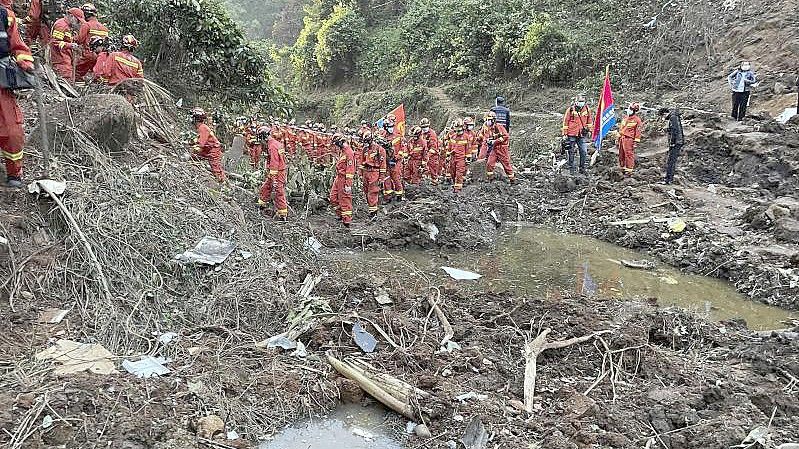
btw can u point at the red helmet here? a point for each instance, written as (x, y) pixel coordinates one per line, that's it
(129, 41)
(338, 139)
(76, 13)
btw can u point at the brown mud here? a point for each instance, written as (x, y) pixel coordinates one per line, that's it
(666, 378)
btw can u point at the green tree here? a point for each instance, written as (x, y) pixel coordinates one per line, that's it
(338, 42)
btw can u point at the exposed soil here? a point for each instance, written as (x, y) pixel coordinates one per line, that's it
(685, 382)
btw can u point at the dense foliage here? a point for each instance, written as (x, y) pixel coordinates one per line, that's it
(421, 40)
(196, 49)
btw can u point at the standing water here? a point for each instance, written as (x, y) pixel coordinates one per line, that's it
(347, 427)
(542, 262)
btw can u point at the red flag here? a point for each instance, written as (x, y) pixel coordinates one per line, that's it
(399, 112)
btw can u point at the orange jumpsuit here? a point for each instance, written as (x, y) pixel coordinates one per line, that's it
(12, 136)
(306, 140)
(500, 152)
(253, 146)
(417, 148)
(630, 135)
(61, 49)
(433, 156)
(393, 182)
(208, 148)
(275, 181)
(289, 140)
(100, 66)
(89, 28)
(120, 66)
(373, 165)
(341, 193)
(36, 28)
(457, 149)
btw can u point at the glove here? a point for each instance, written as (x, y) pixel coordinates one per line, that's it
(347, 189)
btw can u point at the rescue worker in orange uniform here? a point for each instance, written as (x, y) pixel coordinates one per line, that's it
(373, 167)
(576, 131)
(458, 147)
(364, 128)
(122, 65)
(38, 23)
(393, 186)
(306, 139)
(341, 192)
(433, 156)
(12, 136)
(99, 46)
(630, 130)
(89, 28)
(275, 181)
(471, 134)
(497, 147)
(207, 146)
(62, 43)
(417, 152)
(253, 144)
(289, 138)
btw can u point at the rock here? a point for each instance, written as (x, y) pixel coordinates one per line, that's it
(774, 212)
(581, 405)
(349, 391)
(781, 88)
(422, 431)
(107, 119)
(208, 426)
(787, 230)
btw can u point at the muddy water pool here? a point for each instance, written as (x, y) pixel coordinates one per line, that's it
(543, 262)
(347, 427)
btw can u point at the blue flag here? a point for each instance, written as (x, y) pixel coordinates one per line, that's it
(605, 113)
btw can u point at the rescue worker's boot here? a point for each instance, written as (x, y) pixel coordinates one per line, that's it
(14, 182)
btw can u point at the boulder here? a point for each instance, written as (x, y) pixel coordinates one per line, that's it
(787, 230)
(781, 88)
(107, 119)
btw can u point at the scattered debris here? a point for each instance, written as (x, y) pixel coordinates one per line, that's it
(313, 245)
(431, 228)
(41, 186)
(461, 275)
(167, 337)
(786, 115)
(75, 357)
(638, 264)
(422, 431)
(208, 251)
(147, 367)
(52, 316)
(475, 436)
(382, 297)
(676, 224)
(363, 338)
(471, 395)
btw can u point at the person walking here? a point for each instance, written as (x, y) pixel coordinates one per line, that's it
(676, 140)
(741, 81)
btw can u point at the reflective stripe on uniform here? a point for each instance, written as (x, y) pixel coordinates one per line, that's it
(101, 33)
(12, 156)
(127, 62)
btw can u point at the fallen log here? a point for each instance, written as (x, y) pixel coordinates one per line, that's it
(533, 349)
(371, 387)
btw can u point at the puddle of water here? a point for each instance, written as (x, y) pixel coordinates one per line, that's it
(348, 426)
(542, 262)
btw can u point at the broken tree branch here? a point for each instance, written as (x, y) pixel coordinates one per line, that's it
(372, 388)
(533, 349)
(432, 299)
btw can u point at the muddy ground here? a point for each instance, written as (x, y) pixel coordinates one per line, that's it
(675, 379)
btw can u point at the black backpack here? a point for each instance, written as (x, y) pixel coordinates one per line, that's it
(5, 46)
(11, 76)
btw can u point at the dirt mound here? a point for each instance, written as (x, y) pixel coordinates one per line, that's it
(106, 119)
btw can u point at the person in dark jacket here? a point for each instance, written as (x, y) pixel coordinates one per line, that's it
(676, 140)
(503, 113)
